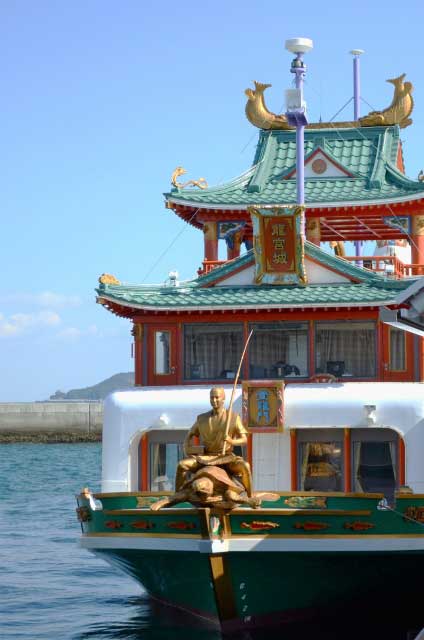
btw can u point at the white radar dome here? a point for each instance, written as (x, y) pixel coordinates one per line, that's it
(299, 45)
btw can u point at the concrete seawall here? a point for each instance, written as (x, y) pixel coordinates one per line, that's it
(51, 421)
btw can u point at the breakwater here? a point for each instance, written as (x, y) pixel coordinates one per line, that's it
(56, 421)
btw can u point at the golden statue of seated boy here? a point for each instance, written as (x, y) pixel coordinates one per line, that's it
(210, 428)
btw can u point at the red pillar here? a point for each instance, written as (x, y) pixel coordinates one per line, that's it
(144, 463)
(210, 232)
(138, 331)
(417, 243)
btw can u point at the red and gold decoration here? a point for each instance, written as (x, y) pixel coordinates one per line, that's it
(278, 244)
(181, 525)
(143, 524)
(414, 513)
(263, 406)
(311, 525)
(357, 525)
(113, 524)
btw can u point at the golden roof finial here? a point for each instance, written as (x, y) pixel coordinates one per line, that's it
(180, 171)
(107, 278)
(397, 113)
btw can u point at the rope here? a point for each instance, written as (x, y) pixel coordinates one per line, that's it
(386, 507)
(379, 156)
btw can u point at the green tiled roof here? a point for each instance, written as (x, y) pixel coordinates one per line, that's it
(368, 153)
(369, 289)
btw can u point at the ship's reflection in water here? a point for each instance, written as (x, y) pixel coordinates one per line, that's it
(149, 620)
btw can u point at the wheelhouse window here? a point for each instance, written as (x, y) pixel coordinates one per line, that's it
(278, 350)
(375, 461)
(162, 352)
(212, 351)
(165, 451)
(346, 349)
(320, 456)
(397, 352)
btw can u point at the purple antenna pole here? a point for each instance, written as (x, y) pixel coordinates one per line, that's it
(356, 83)
(300, 136)
(296, 114)
(356, 114)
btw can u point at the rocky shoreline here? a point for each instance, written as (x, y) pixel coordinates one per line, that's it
(49, 438)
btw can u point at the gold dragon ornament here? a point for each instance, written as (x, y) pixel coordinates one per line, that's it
(180, 171)
(397, 113)
(108, 278)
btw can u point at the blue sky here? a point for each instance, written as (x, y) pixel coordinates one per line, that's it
(101, 101)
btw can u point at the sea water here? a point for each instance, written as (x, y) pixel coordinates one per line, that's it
(52, 589)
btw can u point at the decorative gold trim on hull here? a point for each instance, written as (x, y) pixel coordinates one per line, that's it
(268, 512)
(146, 511)
(150, 534)
(303, 512)
(324, 494)
(223, 587)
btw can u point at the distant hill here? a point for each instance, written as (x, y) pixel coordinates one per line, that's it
(98, 391)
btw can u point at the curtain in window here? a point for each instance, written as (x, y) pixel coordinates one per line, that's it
(397, 350)
(211, 351)
(356, 348)
(268, 348)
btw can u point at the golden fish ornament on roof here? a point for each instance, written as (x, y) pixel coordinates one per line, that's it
(397, 113)
(180, 171)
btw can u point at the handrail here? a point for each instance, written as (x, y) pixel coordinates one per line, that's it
(379, 264)
(209, 265)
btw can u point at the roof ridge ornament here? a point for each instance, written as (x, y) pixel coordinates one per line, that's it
(180, 171)
(108, 278)
(397, 113)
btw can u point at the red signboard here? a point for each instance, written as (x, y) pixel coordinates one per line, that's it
(279, 244)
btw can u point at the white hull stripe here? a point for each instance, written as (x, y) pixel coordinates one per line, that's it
(298, 544)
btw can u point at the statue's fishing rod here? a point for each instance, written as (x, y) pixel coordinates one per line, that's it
(230, 408)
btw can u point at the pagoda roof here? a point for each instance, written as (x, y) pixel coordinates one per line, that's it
(362, 288)
(365, 162)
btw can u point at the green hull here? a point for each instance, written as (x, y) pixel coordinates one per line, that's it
(269, 588)
(268, 566)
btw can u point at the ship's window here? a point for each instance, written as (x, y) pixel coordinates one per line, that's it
(375, 454)
(346, 349)
(164, 457)
(279, 350)
(162, 352)
(321, 466)
(212, 351)
(165, 449)
(397, 358)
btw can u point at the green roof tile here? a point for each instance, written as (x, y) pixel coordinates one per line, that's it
(369, 153)
(371, 289)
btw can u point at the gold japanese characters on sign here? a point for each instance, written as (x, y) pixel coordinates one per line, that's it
(263, 405)
(278, 244)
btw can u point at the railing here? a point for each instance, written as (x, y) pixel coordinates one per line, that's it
(388, 265)
(385, 265)
(209, 265)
